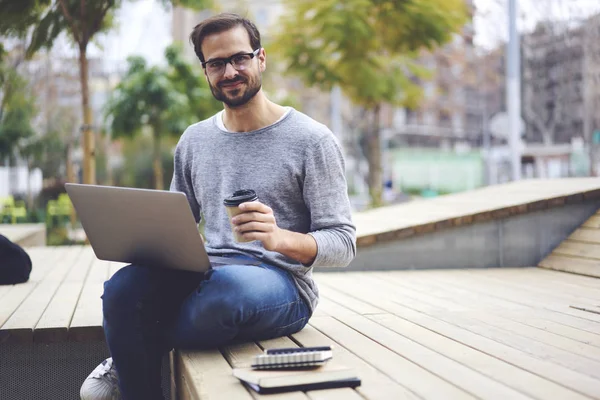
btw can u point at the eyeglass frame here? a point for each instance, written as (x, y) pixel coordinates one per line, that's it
(228, 60)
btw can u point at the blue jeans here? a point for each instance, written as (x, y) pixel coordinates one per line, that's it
(149, 311)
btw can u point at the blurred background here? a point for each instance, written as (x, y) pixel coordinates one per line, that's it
(415, 91)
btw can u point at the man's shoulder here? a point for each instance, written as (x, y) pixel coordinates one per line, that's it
(198, 128)
(309, 128)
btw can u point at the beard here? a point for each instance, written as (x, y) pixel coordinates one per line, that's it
(239, 96)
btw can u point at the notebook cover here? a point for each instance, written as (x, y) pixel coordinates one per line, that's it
(350, 383)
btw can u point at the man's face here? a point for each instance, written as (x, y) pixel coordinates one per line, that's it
(232, 87)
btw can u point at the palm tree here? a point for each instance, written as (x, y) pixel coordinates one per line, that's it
(163, 100)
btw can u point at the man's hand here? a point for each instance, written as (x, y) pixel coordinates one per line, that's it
(257, 222)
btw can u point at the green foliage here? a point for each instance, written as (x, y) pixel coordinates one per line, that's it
(136, 170)
(367, 47)
(17, 110)
(168, 98)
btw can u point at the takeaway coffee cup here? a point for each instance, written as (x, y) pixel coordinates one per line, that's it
(231, 206)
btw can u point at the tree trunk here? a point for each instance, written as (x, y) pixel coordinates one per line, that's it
(89, 155)
(107, 151)
(70, 175)
(374, 158)
(29, 191)
(157, 159)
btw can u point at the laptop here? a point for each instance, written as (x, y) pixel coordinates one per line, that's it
(154, 228)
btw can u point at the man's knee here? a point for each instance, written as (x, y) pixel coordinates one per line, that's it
(124, 289)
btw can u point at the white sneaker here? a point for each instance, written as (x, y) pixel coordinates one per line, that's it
(102, 383)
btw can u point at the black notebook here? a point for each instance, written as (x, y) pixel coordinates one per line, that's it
(302, 379)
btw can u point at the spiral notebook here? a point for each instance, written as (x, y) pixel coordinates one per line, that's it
(292, 357)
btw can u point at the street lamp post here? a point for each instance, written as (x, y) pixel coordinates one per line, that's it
(513, 90)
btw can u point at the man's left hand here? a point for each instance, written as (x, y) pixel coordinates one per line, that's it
(257, 222)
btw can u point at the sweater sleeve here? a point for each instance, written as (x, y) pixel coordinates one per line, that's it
(326, 196)
(182, 179)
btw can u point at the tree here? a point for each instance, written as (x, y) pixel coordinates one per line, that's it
(82, 20)
(368, 48)
(17, 109)
(164, 100)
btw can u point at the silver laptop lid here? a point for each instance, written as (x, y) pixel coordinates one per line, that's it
(140, 226)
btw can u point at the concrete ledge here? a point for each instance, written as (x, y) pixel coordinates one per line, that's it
(520, 240)
(25, 235)
(388, 224)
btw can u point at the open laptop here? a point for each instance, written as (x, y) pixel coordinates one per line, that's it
(155, 228)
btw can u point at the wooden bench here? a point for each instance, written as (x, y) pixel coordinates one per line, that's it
(25, 235)
(489, 333)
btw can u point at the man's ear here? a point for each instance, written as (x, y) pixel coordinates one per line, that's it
(262, 60)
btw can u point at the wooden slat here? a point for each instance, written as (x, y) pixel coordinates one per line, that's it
(21, 324)
(413, 377)
(593, 222)
(444, 325)
(586, 235)
(523, 381)
(511, 279)
(488, 287)
(54, 324)
(574, 265)
(87, 319)
(42, 263)
(208, 376)
(375, 385)
(469, 289)
(452, 371)
(500, 307)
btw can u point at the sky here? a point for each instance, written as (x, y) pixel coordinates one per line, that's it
(144, 26)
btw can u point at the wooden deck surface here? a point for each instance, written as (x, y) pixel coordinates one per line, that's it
(438, 334)
(485, 204)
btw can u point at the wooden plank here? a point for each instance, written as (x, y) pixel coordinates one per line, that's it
(54, 324)
(512, 279)
(42, 263)
(375, 385)
(87, 318)
(352, 284)
(208, 376)
(464, 287)
(415, 378)
(586, 235)
(452, 371)
(488, 287)
(492, 367)
(593, 222)
(497, 307)
(21, 324)
(539, 278)
(593, 339)
(574, 265)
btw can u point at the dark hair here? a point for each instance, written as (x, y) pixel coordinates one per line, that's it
(221, 23)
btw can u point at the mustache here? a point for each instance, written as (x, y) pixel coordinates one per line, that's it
(230, 81)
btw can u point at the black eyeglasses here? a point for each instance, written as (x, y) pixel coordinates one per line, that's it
(239, 61)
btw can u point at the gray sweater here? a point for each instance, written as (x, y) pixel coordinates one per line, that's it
(296, 168)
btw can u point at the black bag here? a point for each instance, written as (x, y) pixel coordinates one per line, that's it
(15, 264)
